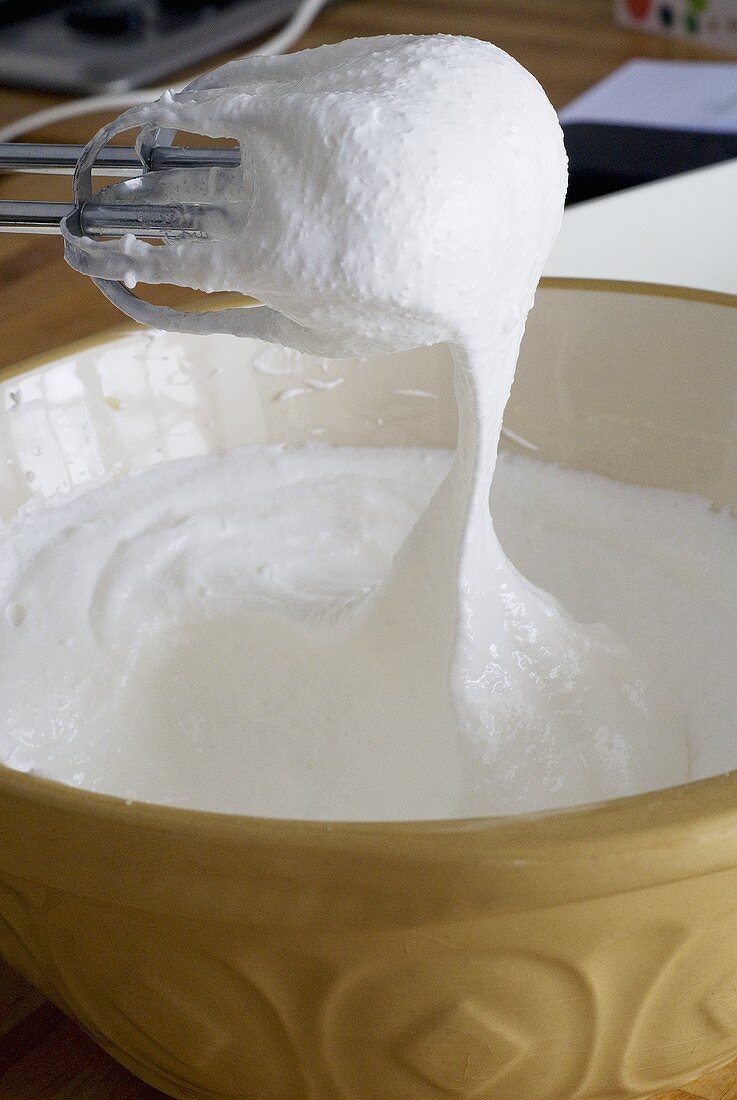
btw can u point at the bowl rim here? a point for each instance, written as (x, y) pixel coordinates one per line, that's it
(706, 808)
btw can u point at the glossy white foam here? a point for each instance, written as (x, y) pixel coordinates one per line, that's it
(399, 192)
(143, 654)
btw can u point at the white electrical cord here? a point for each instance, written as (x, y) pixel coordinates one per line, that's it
(283, 40)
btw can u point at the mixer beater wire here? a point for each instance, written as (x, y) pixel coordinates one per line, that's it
(170, 221)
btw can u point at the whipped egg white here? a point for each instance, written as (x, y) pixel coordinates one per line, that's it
(394, 193)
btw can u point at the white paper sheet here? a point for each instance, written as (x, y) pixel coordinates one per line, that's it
(683, 95)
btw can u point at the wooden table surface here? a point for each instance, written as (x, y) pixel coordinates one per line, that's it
(568, 45)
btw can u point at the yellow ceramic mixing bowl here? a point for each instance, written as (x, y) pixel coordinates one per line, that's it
(588, 953)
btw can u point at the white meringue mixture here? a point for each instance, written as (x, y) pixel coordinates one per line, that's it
(148, 636)
(337, 633)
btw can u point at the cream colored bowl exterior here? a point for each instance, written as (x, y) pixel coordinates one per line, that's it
(588, 953)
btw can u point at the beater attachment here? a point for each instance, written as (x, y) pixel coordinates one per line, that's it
(114, 212)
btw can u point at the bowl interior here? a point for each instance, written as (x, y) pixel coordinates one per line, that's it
(635, 382)
(638, 383)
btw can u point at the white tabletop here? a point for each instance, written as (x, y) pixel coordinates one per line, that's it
(681, 231)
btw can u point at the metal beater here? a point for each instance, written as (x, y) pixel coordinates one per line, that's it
(87, 217)
(100, 219)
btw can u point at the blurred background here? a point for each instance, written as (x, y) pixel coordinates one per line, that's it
(672, 109)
